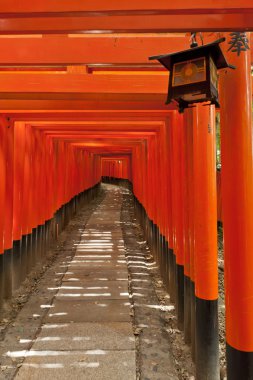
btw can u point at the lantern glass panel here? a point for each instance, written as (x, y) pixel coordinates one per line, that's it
(213, 74)
(188, 72)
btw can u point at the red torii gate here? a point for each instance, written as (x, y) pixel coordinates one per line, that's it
(185, 211)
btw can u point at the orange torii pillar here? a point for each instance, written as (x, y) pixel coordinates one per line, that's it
(205, 247)
(6, 206)
(19, 245)
(2, 207)
(191, 230)
(237, 198)
(172, 258)
(178, 211)
(8, 218)
(189, 288)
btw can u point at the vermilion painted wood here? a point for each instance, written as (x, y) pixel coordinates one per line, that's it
(129, 51)
(164, 160)
(190, 139)
(55, 117)
(170, 182)
(26, 183)
(177, 196)
(117, 167)
(173, 181)
(2, 183)
(158, 189)
(14, 7)
(8, 217)
(63, 50)
(237, 201)
(85, 84)
(153, 203)
(101, 135)
(166, 176)
(141, 23)
(205, 204)
(187, 186)
(39, 173)
(51, 104)
(19, 155)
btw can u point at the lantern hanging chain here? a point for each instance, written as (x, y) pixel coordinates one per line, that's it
(193, 39)
(201, 37)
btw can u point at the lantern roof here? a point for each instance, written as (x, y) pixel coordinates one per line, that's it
(213, 49)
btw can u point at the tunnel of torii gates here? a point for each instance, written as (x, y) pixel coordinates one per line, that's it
(79, 100)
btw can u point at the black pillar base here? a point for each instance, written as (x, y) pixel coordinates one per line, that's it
(193, 319)
(57, 222)
(159, 248)
(187, 309)
(172, 265)
(207, 340)
(180, 296)
(7, 286)
(149, 237)
(23, 271)
(29, 253)
(239, 364)
(154, 241)
(47, 224)
(1, 279)
(39, 245)
(34, 247)
(163, 259)
(43, 242)
(166, 264)
(16, 264)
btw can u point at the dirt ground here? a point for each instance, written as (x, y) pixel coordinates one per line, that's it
(161, 314)
(178, 349)
(222, 338)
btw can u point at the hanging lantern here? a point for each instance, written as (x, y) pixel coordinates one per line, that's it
(194, 74)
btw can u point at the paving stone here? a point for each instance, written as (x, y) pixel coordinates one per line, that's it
(98, 275)
(98, 364)
(86, 336)
(93, 291)
(96, 265)
(87, 311)
(91, 255)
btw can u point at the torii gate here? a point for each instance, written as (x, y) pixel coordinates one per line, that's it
(128, 83)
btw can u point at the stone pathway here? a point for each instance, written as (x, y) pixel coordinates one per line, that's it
(86, 331)
(97, 312)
